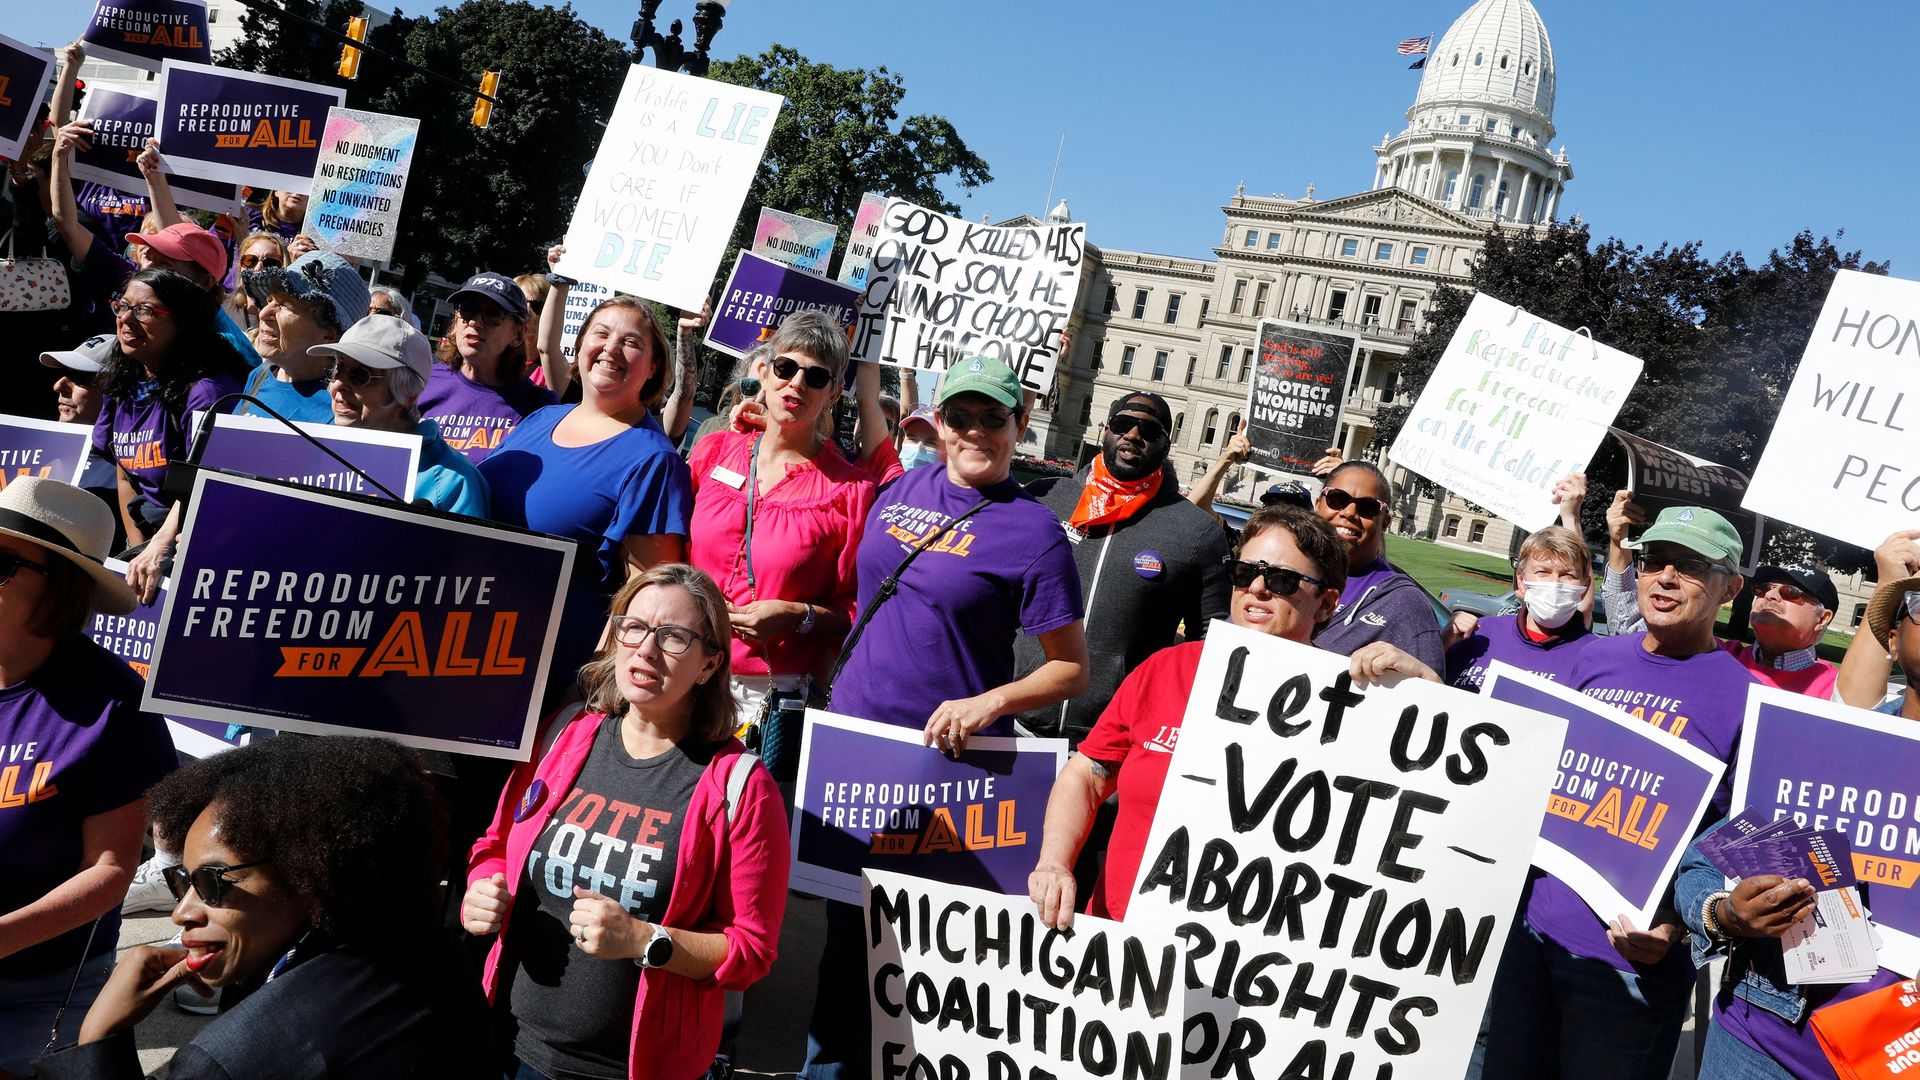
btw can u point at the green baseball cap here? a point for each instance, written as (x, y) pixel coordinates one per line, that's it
(1695, 528)
(982, 375)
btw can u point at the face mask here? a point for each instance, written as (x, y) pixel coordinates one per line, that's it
(914, 455)
(1552, 603)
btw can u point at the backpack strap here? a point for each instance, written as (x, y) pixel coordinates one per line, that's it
(737, 783)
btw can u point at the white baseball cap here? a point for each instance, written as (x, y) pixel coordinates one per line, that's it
(89, 355)
(382, 341)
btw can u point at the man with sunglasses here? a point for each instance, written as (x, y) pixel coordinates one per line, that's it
(1149, 560)
(79, 403)
(311, 302)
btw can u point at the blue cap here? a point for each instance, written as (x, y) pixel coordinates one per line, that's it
(319, 277)
(498, 288)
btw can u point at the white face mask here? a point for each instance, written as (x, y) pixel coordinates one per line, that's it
(914, 455)
(1552, 603)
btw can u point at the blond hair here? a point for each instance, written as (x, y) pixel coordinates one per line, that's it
(1556, 543)
(713, 708)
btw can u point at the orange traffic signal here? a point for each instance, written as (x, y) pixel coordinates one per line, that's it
(483, 105)
(350, 56)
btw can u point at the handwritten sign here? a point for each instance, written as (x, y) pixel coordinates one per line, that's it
(1660, 476)
(1514, 405)
(759, 296)
(791, 240)
(942, 289)
(43, 448)
(242, 128)
(24, 71)
(1840, 460)
(1295, 396)
(358, 183)
(122, 123)
(861, 238)
(144, 33)
(1362, 849)
(582, 298)
(664, 190)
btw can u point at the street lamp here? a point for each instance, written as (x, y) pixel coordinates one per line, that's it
(668, 53)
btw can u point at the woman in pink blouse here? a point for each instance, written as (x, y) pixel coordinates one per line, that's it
(777, 518)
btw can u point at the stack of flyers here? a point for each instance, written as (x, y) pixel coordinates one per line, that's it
(1834, 941)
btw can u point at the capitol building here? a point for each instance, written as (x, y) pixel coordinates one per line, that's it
(1475, 153)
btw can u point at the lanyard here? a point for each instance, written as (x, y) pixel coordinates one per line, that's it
(746, 541)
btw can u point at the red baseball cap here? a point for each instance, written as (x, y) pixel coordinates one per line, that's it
(188, 243)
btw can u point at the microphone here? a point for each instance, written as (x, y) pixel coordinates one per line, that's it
(179, 479)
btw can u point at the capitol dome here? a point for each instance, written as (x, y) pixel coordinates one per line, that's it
(1496, 53)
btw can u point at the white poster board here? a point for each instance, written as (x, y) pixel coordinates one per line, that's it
(582, 298)
(1514, 405)
(365, 159)
(667, 184)
(1841, 460)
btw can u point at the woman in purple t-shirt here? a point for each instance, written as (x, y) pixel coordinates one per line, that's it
(480, 391)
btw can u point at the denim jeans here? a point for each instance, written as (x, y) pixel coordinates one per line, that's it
(840, 1036)
(28, 1006)
(1556, 1015)
(1730, 1059)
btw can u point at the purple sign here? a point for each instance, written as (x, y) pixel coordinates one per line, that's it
(871, 796)
(24, 71)
(1827, 766)
(1627, 798)
(144, 33)
(761, 293)
(262, 446)
(43, 448)
(130, 637)
(122, 124)
(303, 611)
(242, 128)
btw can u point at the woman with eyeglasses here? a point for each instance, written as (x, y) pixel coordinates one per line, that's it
(309, 882)
(1287, 580)
(81, 756)
(259, 252)
(777, 519)
(1380, 602)
(639, 869)
(481, 391)
(601, 472)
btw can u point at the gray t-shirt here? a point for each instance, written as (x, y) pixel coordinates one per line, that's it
(617, 833)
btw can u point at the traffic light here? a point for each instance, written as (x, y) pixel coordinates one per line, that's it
(350, 56)
(483, 105)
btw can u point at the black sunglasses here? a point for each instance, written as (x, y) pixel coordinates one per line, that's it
(785, 366)
(208, 881)
(1149, 428)
(1280, 580)
(1338, 500)
(79, 378)
(11, 564)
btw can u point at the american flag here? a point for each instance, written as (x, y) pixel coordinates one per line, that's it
(1416, 46)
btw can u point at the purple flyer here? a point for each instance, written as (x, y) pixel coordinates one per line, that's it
(43, 448)
(1626, 799)
(871, 796)
(122, 123)
(761, 293)
(130, 637)
(24, 72)
(298, 610)
(145, 33)
(262, 446)
(242, 128)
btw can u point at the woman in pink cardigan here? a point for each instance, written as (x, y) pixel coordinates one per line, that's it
(639, 869)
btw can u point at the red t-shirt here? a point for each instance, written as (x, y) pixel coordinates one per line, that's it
(1135, 737)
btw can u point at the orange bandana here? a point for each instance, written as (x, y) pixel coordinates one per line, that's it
(1106, 500)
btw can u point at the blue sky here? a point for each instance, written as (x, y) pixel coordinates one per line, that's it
(1736, 124)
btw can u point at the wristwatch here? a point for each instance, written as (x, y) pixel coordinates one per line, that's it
(1709, 920)
(807, 621)
(659, 950)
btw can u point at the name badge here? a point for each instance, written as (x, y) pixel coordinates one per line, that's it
(729, 477)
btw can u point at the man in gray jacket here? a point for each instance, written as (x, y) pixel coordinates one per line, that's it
(1151, 563)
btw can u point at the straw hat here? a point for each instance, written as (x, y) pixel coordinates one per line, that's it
(72, 524)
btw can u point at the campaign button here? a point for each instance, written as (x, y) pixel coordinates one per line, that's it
(536, 794)
(1149, 565)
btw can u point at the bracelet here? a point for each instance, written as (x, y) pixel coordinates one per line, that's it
(1709, 921)
(807, 620)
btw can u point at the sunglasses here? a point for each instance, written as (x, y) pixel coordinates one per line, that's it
(479, 314)
(1337, 500)
(11, 564)
(260, 262)
(357, 376)
(1691, 567)
(208, 881)
(673, 639)
(962, 420)
(1149, 428)
(1280, 580)
(784, 368)
(80, 378)
(1780, 590)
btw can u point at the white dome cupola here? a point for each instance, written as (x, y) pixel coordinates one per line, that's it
(1495, 54)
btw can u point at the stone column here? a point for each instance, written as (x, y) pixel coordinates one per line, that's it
(1553, 200)
(1521, 208)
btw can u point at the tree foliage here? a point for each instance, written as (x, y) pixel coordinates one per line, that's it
(1720, 340)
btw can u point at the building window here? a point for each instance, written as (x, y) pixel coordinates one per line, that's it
(1419, 256)
(1859, 612)
(1350, 248)
(1336, 304)
(1492, 124)
(1159, 366)
(1456, 59)
(1126, 360)
(1179, 421)
(1233, 423)
(1173, 308)
(1210, 428)
(1500, 199)
(1253, 238)
(1273, 241)
(1113, 298)
(1226, 358)
(1139, 303)
(1086, 411)
(1193, 367)
(1477, 192)
(1239, 296)
(1205, 303)
(1453, 184)
(1451, 528)
(1370, 310)
(1526, 68)
(1099, 346)
(1246, 362)
(1260, 299)
(1405, 322)
(1465, 120)
(1383, 252)
(1477, 532)
(1476, 59)
(1387, 391)
(1503, 63)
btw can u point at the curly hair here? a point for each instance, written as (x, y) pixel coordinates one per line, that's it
(197, 351)
(353, 825)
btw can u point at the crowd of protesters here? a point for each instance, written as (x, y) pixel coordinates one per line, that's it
(732, 582)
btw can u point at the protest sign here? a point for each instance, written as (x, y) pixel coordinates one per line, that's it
(262, 446)
(792, 240)
(860, 240)
(130, 637)
(966, 983)
(144, 33)
(1627, 797)
(759, 296)
(582, 298)
(1343, 862)
(1660, 476)
(43, 448)
(354, 208)
(1827, 766)
(122, 123)
(400, 623)
(1514, 405)
(1295, 396)
(941, 289)
(873, 794)
(666, 187)
(1840, 460)
(24, 71)
(235, 126)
